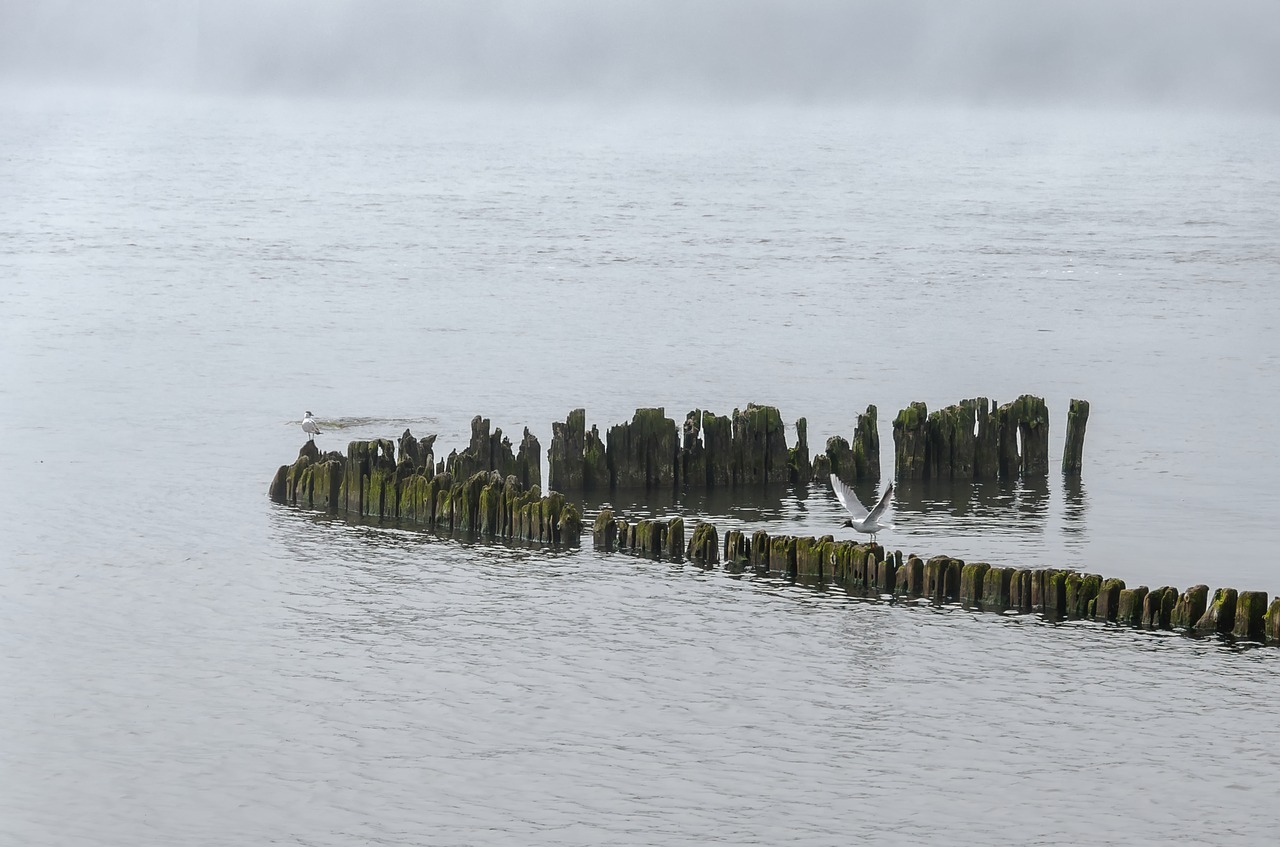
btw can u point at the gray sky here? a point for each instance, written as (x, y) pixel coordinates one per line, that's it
(1166, 52)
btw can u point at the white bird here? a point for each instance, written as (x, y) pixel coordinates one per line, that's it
(310, 427)
(862, 521)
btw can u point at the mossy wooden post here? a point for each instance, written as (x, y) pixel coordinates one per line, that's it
(986, 446)
(799, 465)
(570, 525)
(971, 581)
(910, 581)
(760, 552)
(1081, 590)
(528, 464)
(1019, 590)
(910, 442)
(872, 555)
(604, 532)
(1130, 604)
(704, 545)
(736, 553)
(1190, 607)
(717, 440)
(692, 464)
(1271, 623)
(1251, 611)
(840, 456)
(782, 556)
(565, 457)
(642, 454)
(1055, 594)
(1073, 449)
(1220, 615)
(1033, 430)
(950, 452)
(866, 446)
(675, 539)
(595, 463)
(886, 575)
(842, 564)
(1006, 423)
(1157, 608)
(487, 510)
(759, 446)
(997, 591)
(955, 569)
(1108, 608)
(1038, 589)
(935, 578)
(808, 566)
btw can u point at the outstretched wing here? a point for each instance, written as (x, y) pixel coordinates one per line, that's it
(848, 499)
(883, 504)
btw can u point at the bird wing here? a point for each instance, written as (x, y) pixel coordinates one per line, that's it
(883, 504)
(848, 499)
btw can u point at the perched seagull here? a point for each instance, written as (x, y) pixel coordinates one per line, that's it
(310, 427)
(862, 521)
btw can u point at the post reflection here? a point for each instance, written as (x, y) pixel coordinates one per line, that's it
(1075, 505)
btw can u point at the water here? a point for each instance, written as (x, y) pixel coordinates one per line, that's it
(185, 663)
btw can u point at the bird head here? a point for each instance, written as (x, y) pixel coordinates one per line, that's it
(847, 523)
(308, 414)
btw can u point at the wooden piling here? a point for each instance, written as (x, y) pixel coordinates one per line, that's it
(1073, 449)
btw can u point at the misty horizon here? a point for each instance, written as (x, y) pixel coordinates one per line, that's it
(1137, 52)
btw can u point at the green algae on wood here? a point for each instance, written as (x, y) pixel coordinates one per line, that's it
(910, 441)
(1220, 615)
(1251, 612)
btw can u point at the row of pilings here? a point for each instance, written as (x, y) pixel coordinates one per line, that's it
(868, 570)
(974, 439)
(369, 481)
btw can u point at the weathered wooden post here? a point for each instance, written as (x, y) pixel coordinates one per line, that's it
(1073, 449)
(1220, 616)
(986, 447)
(910, 442)
(760, 552)
(910, 580)
(565, 471)
(1190, 607)
(997, 590)
(798, 462)
(1108, 607)
(675, 539)
(1251, 611)
(1271, 623)
(971, 583)
(866, 446)
(1130, 605)
(1157, 608)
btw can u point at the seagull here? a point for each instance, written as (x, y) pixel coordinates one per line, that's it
(862, 522)
(310, 427)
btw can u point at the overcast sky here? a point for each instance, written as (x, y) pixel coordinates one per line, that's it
(1167, 52)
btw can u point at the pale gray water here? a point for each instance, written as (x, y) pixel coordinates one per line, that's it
(184, 663)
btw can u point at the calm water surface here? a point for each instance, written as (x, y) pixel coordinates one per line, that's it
(182, 662)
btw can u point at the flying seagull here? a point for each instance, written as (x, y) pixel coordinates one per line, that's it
(862, 521)
(310, 427)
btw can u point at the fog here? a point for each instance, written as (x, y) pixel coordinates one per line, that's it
(1162, 52)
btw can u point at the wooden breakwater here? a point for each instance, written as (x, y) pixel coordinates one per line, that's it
(974, 439)
(871, 571)
(478, 492)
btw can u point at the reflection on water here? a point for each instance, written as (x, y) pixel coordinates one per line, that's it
(1010, 505)
(1075, 504)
